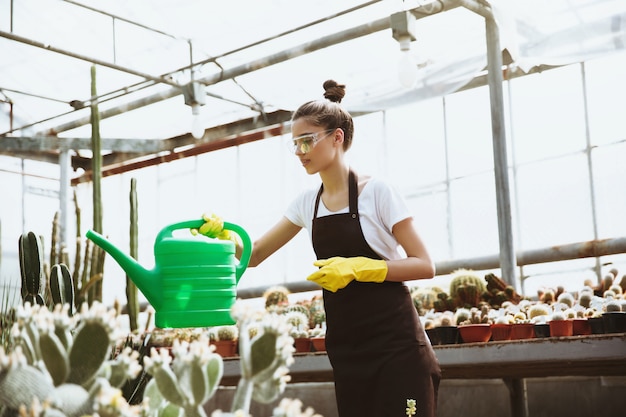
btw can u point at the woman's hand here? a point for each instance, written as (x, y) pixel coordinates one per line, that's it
(337, 272)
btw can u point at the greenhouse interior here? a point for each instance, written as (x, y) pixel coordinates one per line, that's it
(501, 123)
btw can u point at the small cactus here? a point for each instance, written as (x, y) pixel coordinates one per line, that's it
(276, 296)
(612, 306)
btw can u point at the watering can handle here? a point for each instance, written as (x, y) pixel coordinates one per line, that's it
(246, 248)
(167, 232)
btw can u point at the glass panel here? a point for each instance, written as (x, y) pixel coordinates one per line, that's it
(416, 144)
(554, 202)
(468, 123)
(474, 216)
(606, 94)
(547, 114)
(430, 219)
(609, 175)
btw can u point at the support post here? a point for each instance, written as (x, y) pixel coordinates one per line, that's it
(518, 396)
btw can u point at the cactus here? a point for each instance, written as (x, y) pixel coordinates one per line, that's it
(276, 296)
(227, 333)
(31, 268)
(537, 310)
(132, 293)
(195, 373)
(188, 383)
(299, 323)
(566, 298)
(264, 359)
(612, 306)
(62, 286)
(466, 288)
(61, 361)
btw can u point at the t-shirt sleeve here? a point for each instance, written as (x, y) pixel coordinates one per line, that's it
(391, 206)
(299, 211)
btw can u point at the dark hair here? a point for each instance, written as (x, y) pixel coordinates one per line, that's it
(329, 113)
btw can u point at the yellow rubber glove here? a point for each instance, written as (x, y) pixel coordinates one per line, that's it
(335, 273)
(213, 227)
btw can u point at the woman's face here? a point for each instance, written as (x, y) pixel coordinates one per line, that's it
(315, 146)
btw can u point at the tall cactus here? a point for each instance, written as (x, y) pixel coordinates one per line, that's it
(32, 268)
(95, 294)
(62, 286)
(132, 293)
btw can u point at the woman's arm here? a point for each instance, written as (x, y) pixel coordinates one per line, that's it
(275, 238)
(417, 264)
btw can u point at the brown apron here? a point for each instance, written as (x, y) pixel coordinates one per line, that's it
(374, 339)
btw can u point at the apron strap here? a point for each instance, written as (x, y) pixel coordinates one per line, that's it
(353, 196)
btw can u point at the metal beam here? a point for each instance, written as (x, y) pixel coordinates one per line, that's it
(300, 50)
(45, 143)
(590, 249)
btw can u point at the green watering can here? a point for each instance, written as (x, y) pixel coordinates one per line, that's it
(194, 280)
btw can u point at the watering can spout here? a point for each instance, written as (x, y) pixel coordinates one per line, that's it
(143, 278)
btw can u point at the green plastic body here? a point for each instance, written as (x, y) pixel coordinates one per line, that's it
(194, 280)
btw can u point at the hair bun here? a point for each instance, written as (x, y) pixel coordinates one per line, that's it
(333, 91)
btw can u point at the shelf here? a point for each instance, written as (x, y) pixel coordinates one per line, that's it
(594, 355)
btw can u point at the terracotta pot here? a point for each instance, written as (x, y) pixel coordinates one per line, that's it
(302, 344)
(225, 348)
(581, 327)
(614, 321)
(500, 331)
(319, 344)
(560, 328)
(472, 333)
(522, 331)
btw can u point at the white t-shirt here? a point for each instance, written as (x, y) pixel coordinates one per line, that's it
(380, 207)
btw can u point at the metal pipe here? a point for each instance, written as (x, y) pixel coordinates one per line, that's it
(323, 42)
(17, 38)
(498, 132)
(590, 249)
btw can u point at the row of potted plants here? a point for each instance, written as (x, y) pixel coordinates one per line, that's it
(528, 319)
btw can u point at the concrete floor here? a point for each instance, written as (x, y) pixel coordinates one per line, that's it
(547, 397)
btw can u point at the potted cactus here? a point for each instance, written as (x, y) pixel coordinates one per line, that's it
(560, 324)
(299, 330)
(613, 317)
(224, 338)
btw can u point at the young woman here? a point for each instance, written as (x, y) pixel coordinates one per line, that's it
(379, 352)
